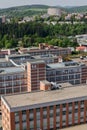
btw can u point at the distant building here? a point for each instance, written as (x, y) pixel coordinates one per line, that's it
(45, 49)
(4, 52)
(68, 17)
(54, 11)
(82, 39)
(2, 19)
(81, 48)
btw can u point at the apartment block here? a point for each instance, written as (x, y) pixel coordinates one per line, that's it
(49, 110)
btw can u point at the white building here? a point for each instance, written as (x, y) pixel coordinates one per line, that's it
(54, 11)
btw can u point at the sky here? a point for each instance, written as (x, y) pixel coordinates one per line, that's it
(11, 3)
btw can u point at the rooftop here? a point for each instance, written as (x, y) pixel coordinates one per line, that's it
(18, 55)
(11, 70)
(3, 60)
(36, 61)
(44, 56)
(34, 98)
(78, 127)
(64, 64)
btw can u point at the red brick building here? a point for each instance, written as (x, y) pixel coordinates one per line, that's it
(45, 110)
(36, 71)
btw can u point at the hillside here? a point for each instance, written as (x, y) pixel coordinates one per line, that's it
(78, 9)
(21, 11)
(30, 10)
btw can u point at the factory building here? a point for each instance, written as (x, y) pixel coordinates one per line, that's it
(45, 110)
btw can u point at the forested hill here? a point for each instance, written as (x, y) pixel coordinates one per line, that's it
(77, 9)
(22, 11)
(30, 10)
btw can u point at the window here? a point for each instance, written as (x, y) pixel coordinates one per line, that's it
(64, 112)
(71, 76)
(76, 103)
(77, 76)
(38, 117)
(82, 102)
(16, 117)
(70, 112)
(77, 81)
(65, 77)
(9, 90)
(38, 109)
(17, 126)
(44, 112)
(64, 105)
(24, 126)
(58, 72)
(70, 104)
(76, 110)
(59, 78)
(57, 106)
(16, 114)
(34, 66)
(31, 117)
(51, 107)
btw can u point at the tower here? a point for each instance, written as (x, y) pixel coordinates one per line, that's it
(36, 71)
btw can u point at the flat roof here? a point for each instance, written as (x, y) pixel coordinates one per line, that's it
(34, 98)
(11, 70)
(78, 127)
(36, 61)
(64, 64)
(47, 49)
(45, 82)
(17, 55)
(44, 56)
(3, 60)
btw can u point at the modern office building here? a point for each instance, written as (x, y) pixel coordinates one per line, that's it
(45, 110)
(18, 58)
(12, 80)
(72, 72)
(15, 73)
(4, 63)
(23, 58)
(17, 76)
(37, 69)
